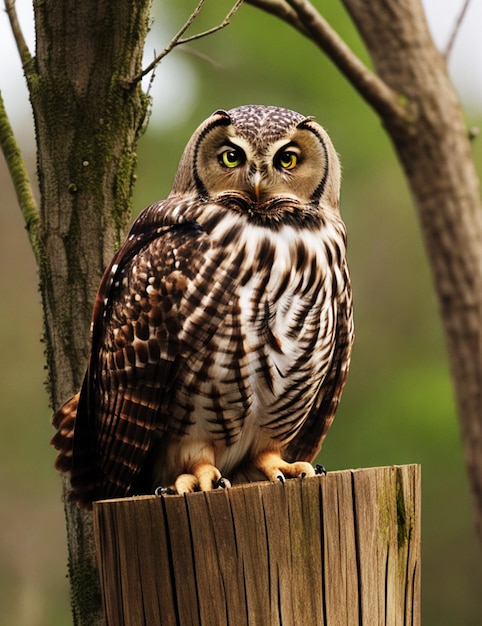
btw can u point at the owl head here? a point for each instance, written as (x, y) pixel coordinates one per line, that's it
(262, 154)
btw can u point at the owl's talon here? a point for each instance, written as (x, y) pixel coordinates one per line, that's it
(222, 483)
(320, 470)
(164, 491)
(281, 478)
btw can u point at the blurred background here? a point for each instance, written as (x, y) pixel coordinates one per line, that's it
(398, 405)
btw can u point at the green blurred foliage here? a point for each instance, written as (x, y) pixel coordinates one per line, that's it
(398, 405)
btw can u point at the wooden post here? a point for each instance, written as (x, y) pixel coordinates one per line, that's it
(335, 550)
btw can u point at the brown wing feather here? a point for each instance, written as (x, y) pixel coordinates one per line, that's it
(135, 356)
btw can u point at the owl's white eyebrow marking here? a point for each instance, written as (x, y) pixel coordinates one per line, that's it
(239, 142)
(283, 144)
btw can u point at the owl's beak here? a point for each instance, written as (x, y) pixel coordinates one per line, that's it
(256, 183)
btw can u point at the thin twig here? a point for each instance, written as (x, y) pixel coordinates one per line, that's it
(20, 179)
(202, 56)
(22, 47)
(303, 16)
(455, 31)
(178, 39)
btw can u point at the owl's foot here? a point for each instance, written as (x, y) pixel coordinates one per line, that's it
(204, 477)
(274, 468)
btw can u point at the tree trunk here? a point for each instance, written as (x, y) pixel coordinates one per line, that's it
(433, 146)
(88, 116)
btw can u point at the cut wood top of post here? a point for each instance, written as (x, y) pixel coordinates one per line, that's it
(332, 550)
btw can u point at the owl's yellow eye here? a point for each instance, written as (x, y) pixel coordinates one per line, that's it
(231, 157)
(288, 160)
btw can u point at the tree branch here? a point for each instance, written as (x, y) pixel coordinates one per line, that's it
(280, 9)
(22, 47)
(303, 16)
(20, 179)
(455, 31)
(178, 39)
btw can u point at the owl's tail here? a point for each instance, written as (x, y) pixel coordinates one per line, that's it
(64, 421)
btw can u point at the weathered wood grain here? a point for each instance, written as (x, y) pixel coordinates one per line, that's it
(335, 550)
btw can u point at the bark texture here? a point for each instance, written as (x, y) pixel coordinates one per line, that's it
(88, 117)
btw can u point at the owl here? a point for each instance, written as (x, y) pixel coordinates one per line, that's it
(222, 328)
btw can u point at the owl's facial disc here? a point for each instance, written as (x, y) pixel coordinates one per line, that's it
(259, 176)
(263, 172)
